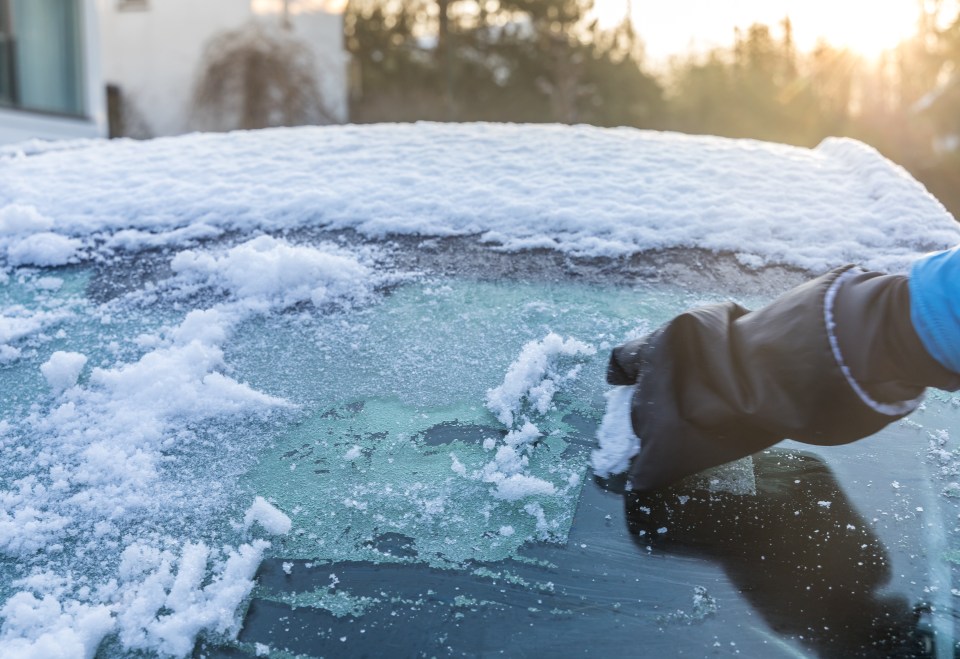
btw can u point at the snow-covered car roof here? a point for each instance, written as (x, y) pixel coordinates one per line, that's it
(366, 363)
(581, 190)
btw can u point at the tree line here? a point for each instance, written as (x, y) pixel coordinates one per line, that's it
(549, 61)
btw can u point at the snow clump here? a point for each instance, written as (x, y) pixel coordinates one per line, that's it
(617, 441)
(268, 516)
(527, 390)
(270, 271)
(62, 370)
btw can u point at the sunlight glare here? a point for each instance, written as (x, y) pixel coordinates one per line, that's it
(298, 6)
(864, 26)
(867, 27)
(610, 13)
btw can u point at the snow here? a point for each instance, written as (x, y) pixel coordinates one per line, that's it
(530, 378)
(18, 322)
(109, 522)
(100, 465)
(44, 249)
(268, 270)
(43, 627)
(163, 611)
(528, 388)
(269, 517)
(49, 283)
(62, 370)
(841, 202)
(17, 219)
(617, 441)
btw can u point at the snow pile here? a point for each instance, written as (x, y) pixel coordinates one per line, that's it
(273, 272)
(160, 610)
(531, 381)
(26, 238)
(100, 467)
(43, 627)
(527, 391)
(608, 192)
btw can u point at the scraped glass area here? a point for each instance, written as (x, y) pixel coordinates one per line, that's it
(385, 462)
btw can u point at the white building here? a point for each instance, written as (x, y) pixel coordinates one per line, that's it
(58, 57)
(153, 53)
(50, 81)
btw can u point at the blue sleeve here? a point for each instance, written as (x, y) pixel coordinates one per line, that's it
(935, 305)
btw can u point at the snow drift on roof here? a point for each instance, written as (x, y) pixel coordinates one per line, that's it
(586, 191)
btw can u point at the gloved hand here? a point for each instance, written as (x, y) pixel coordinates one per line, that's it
(831, 361)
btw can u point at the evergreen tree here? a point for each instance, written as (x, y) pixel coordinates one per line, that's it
(499, 60)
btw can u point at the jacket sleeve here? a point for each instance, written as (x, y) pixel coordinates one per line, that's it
(829, 362)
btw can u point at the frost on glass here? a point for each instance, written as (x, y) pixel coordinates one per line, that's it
(156, 429)
(440, 422)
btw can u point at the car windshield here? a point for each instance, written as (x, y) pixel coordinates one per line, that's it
(329, 441)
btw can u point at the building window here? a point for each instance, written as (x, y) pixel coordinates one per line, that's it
(41, 58)
(8, 90)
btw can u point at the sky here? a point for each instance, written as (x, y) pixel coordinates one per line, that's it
(674, 26)
(671, 27)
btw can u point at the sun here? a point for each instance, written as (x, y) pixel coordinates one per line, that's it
(866, 27)
(610, 13)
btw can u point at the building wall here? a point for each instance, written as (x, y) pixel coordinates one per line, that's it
(324, 32)
(153, 52)
(20, 125)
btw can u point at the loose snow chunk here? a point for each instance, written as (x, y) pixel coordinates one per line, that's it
(532, 377)
(523, 435)
(62, 370)
(8, 354)
(135, 239)
(43, 249)
(207, 326)
(25, 530)
(269, 517)
(618, 443)
(354, 453)
(270, 270)
(519, 486)
(46, 628)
